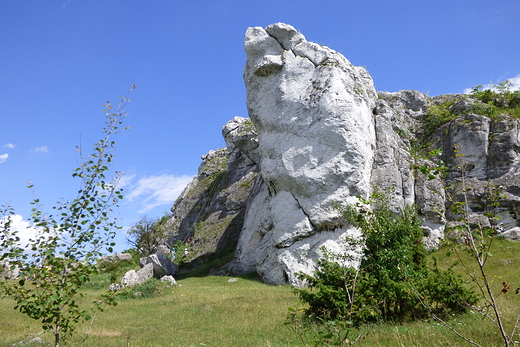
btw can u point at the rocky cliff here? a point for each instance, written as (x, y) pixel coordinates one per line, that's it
(318, 136)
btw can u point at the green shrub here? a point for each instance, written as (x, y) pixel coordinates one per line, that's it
(115, 266)
(179, 247)
(394, 281)
(500, 99)
(438, 115)
(148, 289)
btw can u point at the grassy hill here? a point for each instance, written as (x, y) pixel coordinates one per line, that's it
(214, 311)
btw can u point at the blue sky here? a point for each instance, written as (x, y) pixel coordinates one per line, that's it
(61, 60)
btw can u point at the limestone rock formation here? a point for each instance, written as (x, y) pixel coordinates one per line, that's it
(161, 265)
(318, 136)
(398, 118)
(154, 266)
(312, 110)
(209, 214)
(489, 153)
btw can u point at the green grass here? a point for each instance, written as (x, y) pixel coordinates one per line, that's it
(210, 311)
(200, 311)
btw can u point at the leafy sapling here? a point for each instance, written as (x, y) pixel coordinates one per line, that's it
(61, 258)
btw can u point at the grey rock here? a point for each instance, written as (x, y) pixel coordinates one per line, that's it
(397, 120)
(130, 279)
(162, 249)
(210, 211)
(147, 272)
(504, 148)
(240, 134)
(313, 116)
(154, 266)
(161, 265)
(170, 279)
(512, 234)
(392, 160)
(466, 105)
(410, 103)
(36, 340)
(115, 287)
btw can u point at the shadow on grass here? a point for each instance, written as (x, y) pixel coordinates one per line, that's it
(210, 265)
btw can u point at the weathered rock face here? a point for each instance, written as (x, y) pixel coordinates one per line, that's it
(313, 115)
(161, 265)
(489, 153)
(209, 213)
(312, 110)
(317, 137)
(398, 118)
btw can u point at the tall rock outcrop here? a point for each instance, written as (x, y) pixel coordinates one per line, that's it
(312, 110)
(399, 124)
(488, 150)
(319, 136)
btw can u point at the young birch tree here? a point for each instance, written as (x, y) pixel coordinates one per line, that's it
(61, 258)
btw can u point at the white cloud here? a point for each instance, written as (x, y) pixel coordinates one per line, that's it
(157, 190)
(514, 80)
(42, 149)
(125, 180)
(24, 228)
(3, 157)
(9, 146)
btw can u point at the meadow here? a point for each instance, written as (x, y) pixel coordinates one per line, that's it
(214, 311)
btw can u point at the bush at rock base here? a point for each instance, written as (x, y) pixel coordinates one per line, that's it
(394, 281)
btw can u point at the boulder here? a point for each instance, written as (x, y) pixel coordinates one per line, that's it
(130, 279)
(161, 265)
(170, 279)
(155, 266)
(115, 286)
(31, 342)
(147, 272)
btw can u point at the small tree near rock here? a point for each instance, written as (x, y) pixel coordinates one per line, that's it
(146, 235)
(61, 258)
